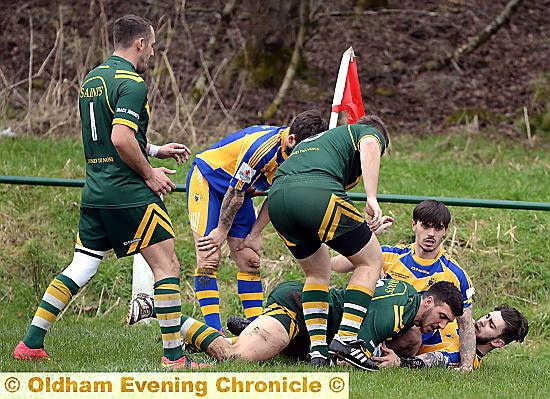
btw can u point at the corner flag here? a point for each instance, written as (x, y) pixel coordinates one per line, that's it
(347, 93)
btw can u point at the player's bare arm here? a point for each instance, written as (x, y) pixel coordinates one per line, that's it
(467, 340)
(232, 202)
(123, 139)
(254, 240)
(370, 169)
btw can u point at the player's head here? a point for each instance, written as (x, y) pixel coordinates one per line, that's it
(441, 303)
(430, 223)
(500, 327)
(306, 124)
(135, 33)
(377, 123)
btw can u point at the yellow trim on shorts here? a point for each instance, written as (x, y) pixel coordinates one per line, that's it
(167, 224)
(335, 209)
(197, 211)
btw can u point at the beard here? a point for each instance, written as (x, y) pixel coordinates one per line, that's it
(288, 149)
(484, 340)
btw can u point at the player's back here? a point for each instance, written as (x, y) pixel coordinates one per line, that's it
(333, 153)
(219, 162)
(112, 93)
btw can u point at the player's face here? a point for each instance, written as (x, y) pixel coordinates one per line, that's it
(489, 327)
(428, 238)
(435, 318)
(147, 53)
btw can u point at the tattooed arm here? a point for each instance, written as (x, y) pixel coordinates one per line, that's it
(467, 340)
(232, 202)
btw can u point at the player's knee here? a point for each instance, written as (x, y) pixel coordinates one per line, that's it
(83, 266)
(247, 261)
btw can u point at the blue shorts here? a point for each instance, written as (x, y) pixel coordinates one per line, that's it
(203, 208)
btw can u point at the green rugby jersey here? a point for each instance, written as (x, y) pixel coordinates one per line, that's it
(390, 314)
(113, 93)
(334, 153)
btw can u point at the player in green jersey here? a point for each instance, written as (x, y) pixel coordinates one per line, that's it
(121, 208)
(395, 307)
(308, 206)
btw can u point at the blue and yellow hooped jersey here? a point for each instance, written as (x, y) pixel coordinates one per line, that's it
(246, 159)
(447, 341)
(401, 263)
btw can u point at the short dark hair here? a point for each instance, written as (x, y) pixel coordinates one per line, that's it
(516, 327)
(446, 292)
(307, 124)
(432, 213)
(128, 28)
(377, 123)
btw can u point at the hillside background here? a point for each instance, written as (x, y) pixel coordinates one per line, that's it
(219, 65)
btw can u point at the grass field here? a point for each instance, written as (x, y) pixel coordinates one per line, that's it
(503, 250)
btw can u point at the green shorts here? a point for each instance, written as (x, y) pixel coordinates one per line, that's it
(284, 304)
(126, 231)
(308, 210)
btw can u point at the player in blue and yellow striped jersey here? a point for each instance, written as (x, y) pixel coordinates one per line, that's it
(220, 187)
(425, 262)
(494, 330)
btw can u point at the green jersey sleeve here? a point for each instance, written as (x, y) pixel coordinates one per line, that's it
(361, 132)
(132, 98)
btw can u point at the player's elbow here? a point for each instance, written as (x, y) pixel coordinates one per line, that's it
(120, 136)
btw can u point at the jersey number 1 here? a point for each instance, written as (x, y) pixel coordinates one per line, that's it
(92, 122)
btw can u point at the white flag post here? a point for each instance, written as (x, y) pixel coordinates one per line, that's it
(340, 85)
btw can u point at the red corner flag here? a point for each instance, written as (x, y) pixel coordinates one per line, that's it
(347, 93)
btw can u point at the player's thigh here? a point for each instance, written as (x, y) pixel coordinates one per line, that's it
(261, 340)
(133, 229)
(92, 233)
(244, 220)
(369, 255)
(203, 203)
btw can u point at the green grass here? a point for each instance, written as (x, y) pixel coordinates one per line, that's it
(503, 250)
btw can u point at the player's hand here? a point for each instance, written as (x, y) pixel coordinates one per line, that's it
(386, 223)
(159, 182)
(212, 242)
(375, 213)
(252, 241)
(388, 358)
(464, 369)
(174, 150)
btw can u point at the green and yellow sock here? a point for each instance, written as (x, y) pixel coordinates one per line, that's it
(356, 302)
(198, 334)
(168, 310)
(315, 306)
(57, 296)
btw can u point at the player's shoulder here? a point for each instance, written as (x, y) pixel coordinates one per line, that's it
(397, 249)
(452, 264)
